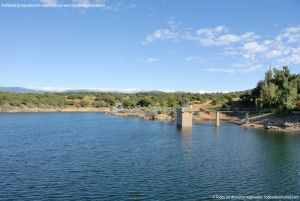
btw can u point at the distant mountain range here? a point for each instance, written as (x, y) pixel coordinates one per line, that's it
(19, 90)
(64, 90)
(73, 90)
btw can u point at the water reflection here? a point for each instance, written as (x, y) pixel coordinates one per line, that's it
(186, 136)
(217, 131)
(185, 130)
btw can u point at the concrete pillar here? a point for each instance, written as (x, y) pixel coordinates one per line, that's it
(247, 117)
(184, 117)
(218, 118)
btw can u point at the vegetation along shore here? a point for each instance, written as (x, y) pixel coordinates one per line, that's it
(273, 104)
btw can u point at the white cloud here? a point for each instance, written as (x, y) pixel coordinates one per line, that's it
(170, 32)
(49, 2)
(254, 47)
(211, 32)
(280, 49)
(192, 58)
(161, 34)
(221, 70)
(237, 68)
(290, 34)
(217, 36)
(151, 60)
(292, 59)
(274, 53)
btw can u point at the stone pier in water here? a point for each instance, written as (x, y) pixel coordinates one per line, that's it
(184, 117)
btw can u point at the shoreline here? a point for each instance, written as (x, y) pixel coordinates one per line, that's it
(286, 124)
(36, 110)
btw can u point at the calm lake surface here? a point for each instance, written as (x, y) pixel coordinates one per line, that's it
(85, 156)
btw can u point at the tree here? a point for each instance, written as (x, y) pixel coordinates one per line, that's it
(128, 103)
(287, 89)
(278, 90)
(84, 103)
(247, 99)
(267, 91)
(172, 101)
(144, 102)
(110, 99)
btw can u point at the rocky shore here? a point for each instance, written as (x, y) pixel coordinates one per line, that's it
(198, 116)
(287, 123)
(12, 109)
(144, 115)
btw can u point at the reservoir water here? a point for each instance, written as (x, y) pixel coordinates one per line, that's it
(91, 156)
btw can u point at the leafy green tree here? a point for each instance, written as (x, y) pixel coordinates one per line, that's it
(128, 103)
(247, 99)
(100, 103)
(278, 90)
(15, 102)
(287, 89)
(267, 91)
(144, 102)
(75, 96)
(110, 99)
(172, 101)
(3, 99)
(84, 103)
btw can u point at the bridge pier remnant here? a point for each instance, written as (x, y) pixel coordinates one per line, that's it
(184, 117)
(247, 117)
(217, 118)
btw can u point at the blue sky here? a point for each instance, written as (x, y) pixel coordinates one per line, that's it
(148, 45)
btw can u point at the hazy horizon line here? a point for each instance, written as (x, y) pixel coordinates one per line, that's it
(129, 90)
